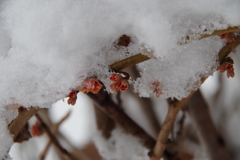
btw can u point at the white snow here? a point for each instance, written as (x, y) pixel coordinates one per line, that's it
(48, 46)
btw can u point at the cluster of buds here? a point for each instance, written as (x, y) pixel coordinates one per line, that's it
(155, 86)
(228, 36)
(36, 129)
(119, 83)
(227, 65)
(72, 97)
(90, 85)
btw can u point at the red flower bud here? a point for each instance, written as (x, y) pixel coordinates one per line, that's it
(222, 36)
(36, 130)
(116, 78)
(123, 85)
(230, 37)
(156, 89)
(229, 66)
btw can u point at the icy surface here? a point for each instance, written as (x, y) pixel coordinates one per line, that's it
(48, 47)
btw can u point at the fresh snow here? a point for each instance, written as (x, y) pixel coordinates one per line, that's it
(48, 47)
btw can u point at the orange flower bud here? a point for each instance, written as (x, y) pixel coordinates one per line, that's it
(114, 87)
(221, 68)
(91, 85)
(231, 73)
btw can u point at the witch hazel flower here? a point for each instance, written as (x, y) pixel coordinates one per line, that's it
(119, 82)
(116, 78)
(36, 129)
(90, 85)
(72, 97)
(228, 36)
(227, 65)
(155, 87)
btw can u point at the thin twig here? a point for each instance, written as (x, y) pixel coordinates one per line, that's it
(222, 31)
(63, 151)
(54, 131)
(175, 106)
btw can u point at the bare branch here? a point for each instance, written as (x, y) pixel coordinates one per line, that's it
(63, 151)
(54, 131)
(212, 141)
(106, 104)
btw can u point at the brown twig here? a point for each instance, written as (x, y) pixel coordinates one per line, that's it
(63, 151)
(221, 31)
(54, 131)
(176, 105)
(212, 141)
(20, 121)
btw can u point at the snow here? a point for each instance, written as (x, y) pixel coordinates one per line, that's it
(117, 147)
(48, 47)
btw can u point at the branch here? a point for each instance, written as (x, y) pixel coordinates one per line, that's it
(104, 123)
(17, 124)
(212, 141)
(138, 58)
(63, 151)
(176, 105)
(20, 121)
(105, 103)
(128, 62)
(222, 31)
(54, 131)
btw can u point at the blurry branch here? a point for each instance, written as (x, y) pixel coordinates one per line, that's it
(63, 151)
(212, 141)
(181, 123)
(20, 121)
(218, 93)
(87, 153)
(146, 104)
(54, 131)
(176, 105)
(104, 123)
(105, 103)
(162, 140)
